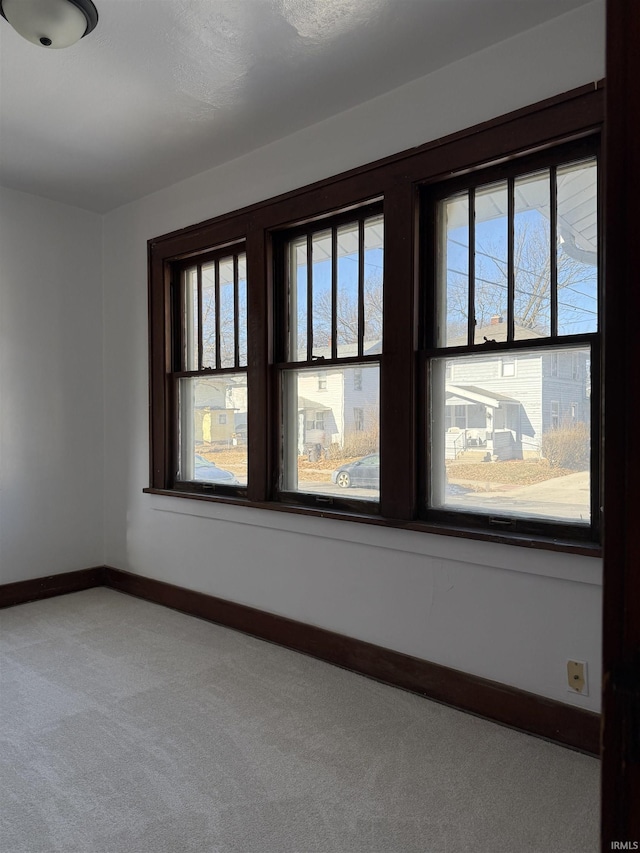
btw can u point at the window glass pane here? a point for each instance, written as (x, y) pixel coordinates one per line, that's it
(322, 306)
(532, 257)
(331, 432)
(453, 271)
(213, 429)
(208, 316)
(227, 314)
(491, 265)
(298, 300)
(373, 276)
(515, 442)
(190, 319)
(242, 308)
(347, 291)
(577, 257)
(509, 366)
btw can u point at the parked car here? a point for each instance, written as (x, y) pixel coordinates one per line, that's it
(364, 473)
(205, 470)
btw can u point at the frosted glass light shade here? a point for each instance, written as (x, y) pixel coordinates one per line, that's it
(50, 23)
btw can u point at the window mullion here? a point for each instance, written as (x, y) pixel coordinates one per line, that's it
(259, 330)
(398, 445)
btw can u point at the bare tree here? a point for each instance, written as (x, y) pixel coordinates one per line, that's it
(532, 277)
(347, 314)
(227, 330)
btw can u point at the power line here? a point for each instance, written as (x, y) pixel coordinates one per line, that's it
(519, 269)
(530, 292)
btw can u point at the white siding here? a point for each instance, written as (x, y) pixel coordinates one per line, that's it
(565, 390)
(329, 400)
(367, 399)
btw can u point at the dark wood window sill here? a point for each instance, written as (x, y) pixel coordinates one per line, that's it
(585, 549)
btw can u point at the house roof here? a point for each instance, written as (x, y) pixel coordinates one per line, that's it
(496, 332)
(305, 405)
(461, 394)
(346, 351)
(211, 392)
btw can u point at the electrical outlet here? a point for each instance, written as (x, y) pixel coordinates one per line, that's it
(577, 677)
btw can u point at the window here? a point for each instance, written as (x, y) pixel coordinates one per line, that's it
(508, 367)
(210, 356)
(575, 368)
(330, 298)
(455, 418)
(515, 272)
(415, 343)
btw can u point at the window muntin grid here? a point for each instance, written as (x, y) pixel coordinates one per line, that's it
(335, 277)
(520, 253)
(214, 314)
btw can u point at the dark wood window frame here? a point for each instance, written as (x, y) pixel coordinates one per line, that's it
(291, 362)
(576, 152)
(203, 367)
(398, 182)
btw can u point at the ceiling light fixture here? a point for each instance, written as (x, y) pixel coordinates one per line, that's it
(50, 23)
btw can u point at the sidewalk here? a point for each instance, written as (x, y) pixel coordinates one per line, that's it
(565, 498)
(556, 490)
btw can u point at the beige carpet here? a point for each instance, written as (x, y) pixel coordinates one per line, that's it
(129, 728)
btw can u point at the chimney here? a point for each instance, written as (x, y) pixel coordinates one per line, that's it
(497, 319)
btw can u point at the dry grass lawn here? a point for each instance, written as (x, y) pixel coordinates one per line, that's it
(234, 459)
(516, 472)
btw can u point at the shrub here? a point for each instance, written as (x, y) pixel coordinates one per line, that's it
(568, 447)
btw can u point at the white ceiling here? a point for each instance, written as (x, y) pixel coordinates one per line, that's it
(164, 89)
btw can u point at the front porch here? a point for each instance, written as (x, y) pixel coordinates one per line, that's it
(481, 425)
(471, 445)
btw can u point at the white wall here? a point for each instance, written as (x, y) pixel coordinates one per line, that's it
(502, 612)
(51, 392)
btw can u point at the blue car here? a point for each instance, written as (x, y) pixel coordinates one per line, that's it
(207, 471)
(364, 473)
